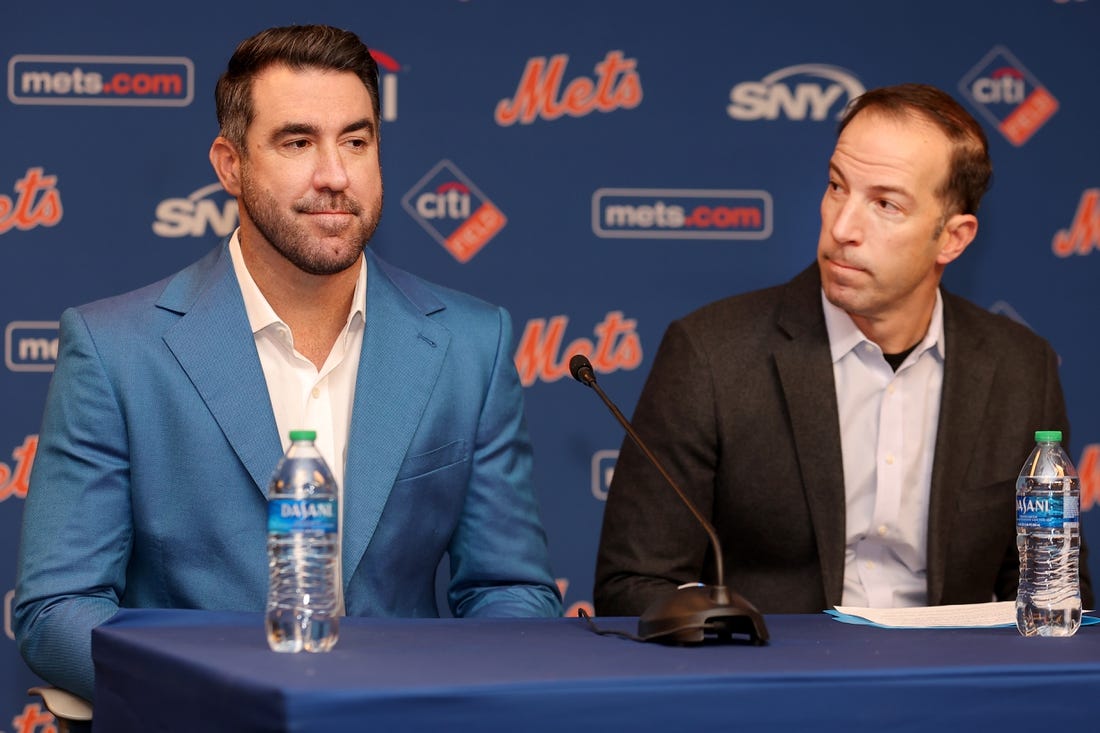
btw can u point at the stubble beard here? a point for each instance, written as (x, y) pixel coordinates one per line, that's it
(293, 240)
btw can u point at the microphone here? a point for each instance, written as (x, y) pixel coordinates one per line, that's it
(694, 612)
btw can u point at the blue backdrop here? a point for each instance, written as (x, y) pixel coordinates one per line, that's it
(599, 168)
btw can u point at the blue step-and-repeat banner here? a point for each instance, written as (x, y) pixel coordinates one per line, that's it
(599, 168)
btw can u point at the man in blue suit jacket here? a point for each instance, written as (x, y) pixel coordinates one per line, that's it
(169, 406)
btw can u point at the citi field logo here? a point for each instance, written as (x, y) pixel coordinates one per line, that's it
(1083, 234)
(37, 202)
(30, 346)
(387, 91)
(452, 209)
(208, 209)
(681, 213)
(133, 81)
(539, 95)
(540, 355)
(1008, 95)
(804, 91)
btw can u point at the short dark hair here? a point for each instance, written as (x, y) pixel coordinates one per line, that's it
(971, 168)
(296, 46)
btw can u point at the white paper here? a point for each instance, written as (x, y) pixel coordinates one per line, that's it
(974, 615)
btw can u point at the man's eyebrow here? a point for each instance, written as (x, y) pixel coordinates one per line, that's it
(365, 124)
(304, 128)
(877, 189)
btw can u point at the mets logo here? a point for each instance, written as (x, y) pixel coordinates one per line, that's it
(452, 209)
(1083, 234)
(1009, 96)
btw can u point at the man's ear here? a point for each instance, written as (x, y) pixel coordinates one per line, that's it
(958, 232)
(227, 164)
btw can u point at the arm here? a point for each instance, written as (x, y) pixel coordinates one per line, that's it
(650, 543)
(77, 530)
(499, 558)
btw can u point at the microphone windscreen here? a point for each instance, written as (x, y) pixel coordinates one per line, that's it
(581, 369)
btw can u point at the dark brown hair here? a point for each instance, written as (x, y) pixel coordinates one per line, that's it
(971, 168)
(299, 47)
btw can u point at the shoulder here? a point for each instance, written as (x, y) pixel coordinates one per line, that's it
(967, 321)
(432, 299)
(175, 292)
(759, 311)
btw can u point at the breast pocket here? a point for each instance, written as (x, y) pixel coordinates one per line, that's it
(442, 457)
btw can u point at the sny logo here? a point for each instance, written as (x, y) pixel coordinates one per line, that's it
(540, 354)
(1008, 95)
(617, 86)
(800, 92)
(1084, 233)
(452, 209)
(38, 203)
(191, 216)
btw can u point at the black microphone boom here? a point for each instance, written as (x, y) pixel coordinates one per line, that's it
(694, 612)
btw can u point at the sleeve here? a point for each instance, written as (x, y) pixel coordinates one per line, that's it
(77, 527)
(650, 543)
(499, 556)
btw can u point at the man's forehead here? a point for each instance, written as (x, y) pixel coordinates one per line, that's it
(283, 95)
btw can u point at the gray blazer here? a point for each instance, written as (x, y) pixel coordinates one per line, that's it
(740, 406)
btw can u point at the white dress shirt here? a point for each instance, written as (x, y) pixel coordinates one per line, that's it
(303, 397)
(888, 426)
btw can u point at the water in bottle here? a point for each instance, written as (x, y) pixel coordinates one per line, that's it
(1048, 536)
(302, 547)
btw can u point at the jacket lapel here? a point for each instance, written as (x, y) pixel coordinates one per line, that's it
(967, 381)
(213, 344)
(403, 352)
(805, 371)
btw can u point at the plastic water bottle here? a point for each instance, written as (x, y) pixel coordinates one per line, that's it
(1048, 536)
(302, 546)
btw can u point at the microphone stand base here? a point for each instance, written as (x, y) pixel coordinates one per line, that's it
(696, 613)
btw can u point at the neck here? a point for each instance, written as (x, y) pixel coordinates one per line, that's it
(315, 307)
(896, 331)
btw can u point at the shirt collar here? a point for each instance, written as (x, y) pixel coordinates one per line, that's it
(260, 313)
(844, 335)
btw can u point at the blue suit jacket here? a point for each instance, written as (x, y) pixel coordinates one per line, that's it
(158, 441)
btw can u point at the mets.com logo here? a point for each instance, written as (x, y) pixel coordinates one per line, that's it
(452, 209)
(1008, 95)
(30, 346)
(134, 81)
(681, 213)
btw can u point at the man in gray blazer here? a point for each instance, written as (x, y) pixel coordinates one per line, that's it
(854, 435)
